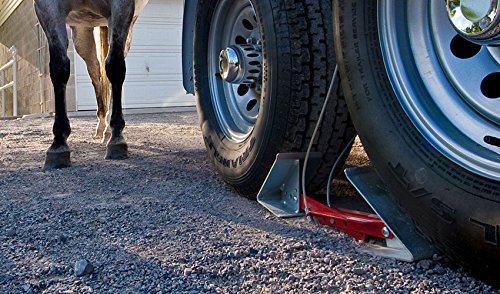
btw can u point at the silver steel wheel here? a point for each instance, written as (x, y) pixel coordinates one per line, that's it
(234, 27)
(448, 86)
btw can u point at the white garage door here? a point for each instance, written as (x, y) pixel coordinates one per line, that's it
(154, 66)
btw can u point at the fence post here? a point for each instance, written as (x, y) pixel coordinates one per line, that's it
(13, 50)
(2, 82)
(13, 84)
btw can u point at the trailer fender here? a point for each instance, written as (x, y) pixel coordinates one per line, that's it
(189, 19)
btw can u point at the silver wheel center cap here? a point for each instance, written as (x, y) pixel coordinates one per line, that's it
(229, 64)
(475, 10)
(476, 20)
(241, 64)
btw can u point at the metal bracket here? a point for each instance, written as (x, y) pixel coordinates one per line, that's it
(280, 192)
(408, 244)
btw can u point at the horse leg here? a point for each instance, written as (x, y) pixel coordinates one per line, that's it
(104, 48)
(128, 43)
(85, 46)
(52, 21)
(119, 25)
(103, 54)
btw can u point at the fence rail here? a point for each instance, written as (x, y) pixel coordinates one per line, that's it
(3, 86)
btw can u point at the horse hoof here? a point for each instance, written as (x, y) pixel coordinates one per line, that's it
(57, 158)
(105, 137)
(117, 151)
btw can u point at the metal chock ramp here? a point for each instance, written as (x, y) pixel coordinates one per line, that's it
(408, 244)
(280, 192)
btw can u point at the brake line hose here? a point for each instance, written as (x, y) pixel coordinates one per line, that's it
(322, 113)
(334, 167)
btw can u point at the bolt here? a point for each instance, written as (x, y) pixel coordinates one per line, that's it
(332, 221)
(385, 232)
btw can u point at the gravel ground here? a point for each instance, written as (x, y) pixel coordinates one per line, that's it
(163, 221)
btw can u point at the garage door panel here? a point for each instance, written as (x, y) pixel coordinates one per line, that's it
(150, 98)
(158, 35)
(86, 90)
(154, 62)
(154, 65)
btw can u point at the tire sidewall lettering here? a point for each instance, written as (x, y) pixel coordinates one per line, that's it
(234, 162)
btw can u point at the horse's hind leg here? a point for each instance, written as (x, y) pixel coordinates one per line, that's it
(85, 45)
(119, 25)
(52, 21)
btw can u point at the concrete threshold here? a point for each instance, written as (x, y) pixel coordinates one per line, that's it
(137, 111)
(92, 113)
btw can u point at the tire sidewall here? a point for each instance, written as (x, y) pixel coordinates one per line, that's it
(238, 161)
(441, 196)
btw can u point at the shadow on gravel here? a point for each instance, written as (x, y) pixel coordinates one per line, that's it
(159, 219)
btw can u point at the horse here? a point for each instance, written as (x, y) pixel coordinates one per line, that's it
(105, 65)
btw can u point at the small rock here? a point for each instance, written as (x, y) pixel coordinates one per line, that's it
(45, 270)
(63, 238)
(83, 267)
(439, 270)
(359, 271)
(187, 272)
(10, 233)
(369, 287)
(4, 279)
(27, 288)
(424, 264)
(54, 270)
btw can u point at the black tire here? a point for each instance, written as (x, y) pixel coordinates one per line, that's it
(457, 209)
(298, 63)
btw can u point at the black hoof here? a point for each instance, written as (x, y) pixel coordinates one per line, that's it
(116, 150)
(57, 158)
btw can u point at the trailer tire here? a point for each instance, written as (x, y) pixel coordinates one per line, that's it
(457, 208)
(298, 61)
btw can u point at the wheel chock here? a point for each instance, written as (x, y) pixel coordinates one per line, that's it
(408, 244)
(280, 193)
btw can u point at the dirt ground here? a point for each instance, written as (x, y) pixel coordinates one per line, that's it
(163, 221)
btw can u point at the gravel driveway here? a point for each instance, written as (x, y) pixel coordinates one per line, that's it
(163, 221)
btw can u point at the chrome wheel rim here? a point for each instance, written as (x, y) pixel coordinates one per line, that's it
(236, 105)
(447, 86)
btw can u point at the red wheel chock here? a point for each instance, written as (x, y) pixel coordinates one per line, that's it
(281, 194)
(359, 225)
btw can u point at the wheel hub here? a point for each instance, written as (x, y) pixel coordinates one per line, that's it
(476, 20)
(447, 85)
(241, 64)
(235, 68)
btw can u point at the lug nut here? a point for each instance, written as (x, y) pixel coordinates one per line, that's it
(385, 232)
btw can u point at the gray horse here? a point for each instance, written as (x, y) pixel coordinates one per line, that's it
(106, 66)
